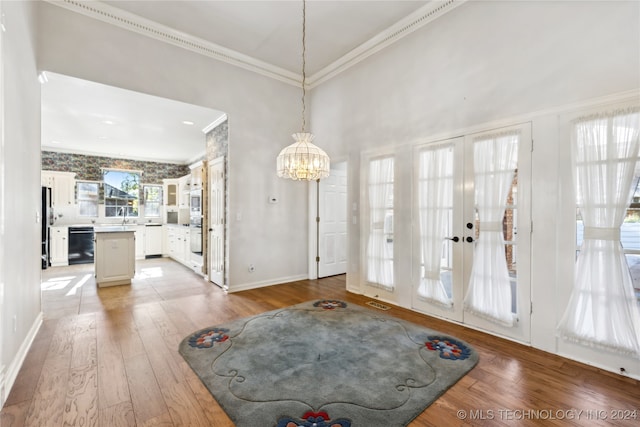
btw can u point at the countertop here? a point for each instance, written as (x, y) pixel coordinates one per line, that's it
(114, 229)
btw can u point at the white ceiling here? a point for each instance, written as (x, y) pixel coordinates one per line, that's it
(75, 112)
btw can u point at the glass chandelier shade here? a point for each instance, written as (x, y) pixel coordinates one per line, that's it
(303, 160)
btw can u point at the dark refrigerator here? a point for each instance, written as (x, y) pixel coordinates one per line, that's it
(47, 219)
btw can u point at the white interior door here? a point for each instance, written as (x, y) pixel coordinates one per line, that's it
(332, 242)
(451, 222)
(216, 221)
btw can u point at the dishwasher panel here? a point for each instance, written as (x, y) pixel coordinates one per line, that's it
(80, 245)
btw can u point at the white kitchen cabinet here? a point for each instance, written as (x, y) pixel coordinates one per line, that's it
(63, 187)
(178, 244)
(179, 254)
(184, 189)
(114, 256)
(153, 240)
(170, 194)
(59, 246)
(138, 235)
(186, 249)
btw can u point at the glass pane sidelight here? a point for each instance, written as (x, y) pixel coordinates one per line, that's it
(379, 254)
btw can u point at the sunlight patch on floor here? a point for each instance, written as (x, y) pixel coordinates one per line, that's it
(147, 273)
(78, 285)
(56, 283)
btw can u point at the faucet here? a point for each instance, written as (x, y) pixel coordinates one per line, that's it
(124, 215)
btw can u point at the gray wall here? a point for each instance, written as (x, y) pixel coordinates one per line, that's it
(19, 186)
(262, 114)
(488, 63)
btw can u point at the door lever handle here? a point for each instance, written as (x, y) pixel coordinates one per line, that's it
(454, 238)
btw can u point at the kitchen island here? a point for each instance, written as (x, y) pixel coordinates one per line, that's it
(115, 255)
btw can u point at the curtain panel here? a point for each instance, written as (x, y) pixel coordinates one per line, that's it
(603, 310)
(380, 240)
(489, 292)
(435, 203)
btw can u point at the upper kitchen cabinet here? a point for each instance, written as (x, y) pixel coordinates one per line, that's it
(184, 188)
(171, 194)
(63, 185)
(196, 176)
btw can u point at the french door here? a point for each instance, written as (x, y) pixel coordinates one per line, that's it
(472, 228)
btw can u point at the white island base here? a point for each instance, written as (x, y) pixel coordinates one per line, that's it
(115, 256)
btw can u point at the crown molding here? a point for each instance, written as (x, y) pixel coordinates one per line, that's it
(418, 19)
(214, 124)
(129, 21)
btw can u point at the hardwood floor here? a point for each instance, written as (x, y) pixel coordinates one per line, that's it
(108, 357)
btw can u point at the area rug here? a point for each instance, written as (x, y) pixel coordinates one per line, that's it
(324, 363)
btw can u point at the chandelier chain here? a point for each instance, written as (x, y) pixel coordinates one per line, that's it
(304, 51)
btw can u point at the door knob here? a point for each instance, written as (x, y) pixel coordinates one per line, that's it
(454, 238)
(469, 225)
(469, 239)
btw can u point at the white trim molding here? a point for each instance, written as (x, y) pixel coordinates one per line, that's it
(129, 21)
(7, 380)
(211, 126)
(270, 282)
(418, 19)
(132, 22)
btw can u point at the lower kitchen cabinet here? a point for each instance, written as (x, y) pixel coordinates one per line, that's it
(114, 257)
(139, 235)
(153, 240)
(59, 246)
(178, 240)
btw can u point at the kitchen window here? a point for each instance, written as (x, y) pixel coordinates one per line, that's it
(87, 198)
(152, 200)
(121, 193)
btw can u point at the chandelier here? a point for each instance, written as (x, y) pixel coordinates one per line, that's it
(303, 160)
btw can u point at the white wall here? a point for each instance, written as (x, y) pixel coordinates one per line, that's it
(20, 189)
(262, 112)
(482, 65)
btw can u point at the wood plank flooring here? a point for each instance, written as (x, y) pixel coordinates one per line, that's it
(108, 357)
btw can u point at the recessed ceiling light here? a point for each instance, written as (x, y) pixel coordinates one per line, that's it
(107, 122)
(187, 122)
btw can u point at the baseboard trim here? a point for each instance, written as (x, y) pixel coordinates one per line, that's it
(263, 283)
(7, 380)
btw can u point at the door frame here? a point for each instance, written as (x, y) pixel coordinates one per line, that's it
(213, 163)
(462, 253)
(313, 212)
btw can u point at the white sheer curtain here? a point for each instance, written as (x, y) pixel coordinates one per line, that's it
(380, 244)
(489, 293)
(435, 200)
(603, 311)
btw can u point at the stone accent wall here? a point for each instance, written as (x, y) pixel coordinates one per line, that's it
(88, 168)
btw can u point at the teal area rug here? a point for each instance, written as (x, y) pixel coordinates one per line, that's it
(325, 364)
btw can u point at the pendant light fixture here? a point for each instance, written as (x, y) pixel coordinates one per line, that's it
(303, 160)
